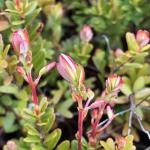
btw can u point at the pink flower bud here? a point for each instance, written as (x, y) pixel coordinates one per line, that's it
(121, 142)
(142, 37)
(86, 33)
(11, 145)
(45, 70)
(119, 52)
(113, 84)
(21, 71)
(20, 42)
(69, 70)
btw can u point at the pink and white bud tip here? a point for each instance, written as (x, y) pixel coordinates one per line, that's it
(142, 38)
(86, 33)
(113, 83)
(69, 70)
(20, 41)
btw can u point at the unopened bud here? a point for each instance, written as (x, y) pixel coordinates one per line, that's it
(69, 70)
(86, 33)
(11, 145)
(121, 142)
(119, 52)
(47, 68)
(20, 70)
(113, 84)
(20, 42)
(142, 37)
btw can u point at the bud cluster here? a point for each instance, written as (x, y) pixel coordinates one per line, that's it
(138, 41)
(21, 46)
(75, 75)
(113, 86)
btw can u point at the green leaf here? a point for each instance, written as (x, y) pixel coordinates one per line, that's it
(139, 84)
(131, 42)
(3, 63)
(63, 108)
(32, 16)
(29, 116)
(144, 93)
(38, 60)
(126, 89)
(38, 147)
(31, 130)
(43, 104)
(58, 93)
(18, 22)
(9, 123)
(6, 100)
(32, 139)
(139, 112)
(74, 145)
(9, 89)
(48, 118)
(108, 145)
(52, 139)
(65, 145)
(133, 65)
(129, 143)
(30, 8)
(5, 51)
(2, 110)
(99, 60)
(145, 48)
(9, 4)
(15, 12)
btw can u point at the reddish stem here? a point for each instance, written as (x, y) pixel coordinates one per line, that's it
(34, 95)
(80, 128)
(33, 89)
(93, 132)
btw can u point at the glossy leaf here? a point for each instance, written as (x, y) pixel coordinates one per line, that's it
(65, 145)
(52, 139)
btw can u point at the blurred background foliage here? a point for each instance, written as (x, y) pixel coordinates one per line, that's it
(54, 28)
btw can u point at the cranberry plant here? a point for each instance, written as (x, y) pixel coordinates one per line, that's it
(67, 82)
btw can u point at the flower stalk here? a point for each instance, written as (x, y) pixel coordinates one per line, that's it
(33, 89)
(74, 74)
(21, 45)
(80, 128)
